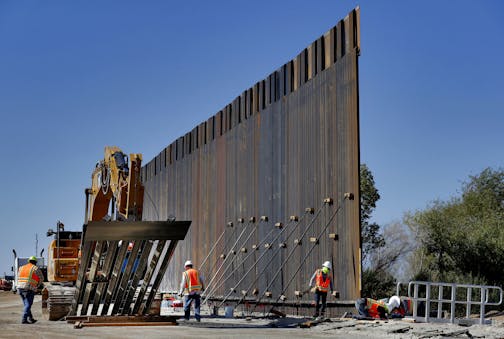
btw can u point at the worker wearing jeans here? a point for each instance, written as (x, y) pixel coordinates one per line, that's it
(27, 296)
(190, 288)
(29, 279)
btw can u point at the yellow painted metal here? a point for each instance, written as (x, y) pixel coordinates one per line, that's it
(114, 177)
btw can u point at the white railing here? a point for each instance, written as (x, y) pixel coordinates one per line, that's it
(450, 298)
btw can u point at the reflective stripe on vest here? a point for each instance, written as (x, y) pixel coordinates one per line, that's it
(372, 307)
(27, 275)
(192, 282)
(321, 284)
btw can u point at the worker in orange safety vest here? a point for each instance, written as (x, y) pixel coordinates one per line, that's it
(321, 283)
(379, 309)
(30, 277)
(190, 287)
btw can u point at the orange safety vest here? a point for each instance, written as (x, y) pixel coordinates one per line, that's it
(320, 283)
(372, 307)
(192, 281)
(27, 275)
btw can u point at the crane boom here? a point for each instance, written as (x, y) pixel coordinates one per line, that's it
(116, 186)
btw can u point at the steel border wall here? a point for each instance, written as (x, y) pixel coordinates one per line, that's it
(284, 144)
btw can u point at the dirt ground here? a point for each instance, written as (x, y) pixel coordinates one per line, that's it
(220, 327)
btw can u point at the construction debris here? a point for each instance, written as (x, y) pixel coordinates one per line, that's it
(99, 321)
(278, 313)
(314, 322)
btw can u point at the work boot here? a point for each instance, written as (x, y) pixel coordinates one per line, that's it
(32, 321)
(24, 322)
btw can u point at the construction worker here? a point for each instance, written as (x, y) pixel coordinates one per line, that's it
(379, 309)
(191, 287)
(30, 277)
(321, 283)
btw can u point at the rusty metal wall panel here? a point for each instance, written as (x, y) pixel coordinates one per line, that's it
(284, 145)
(310, 61)
(328, 51)
(280, 82)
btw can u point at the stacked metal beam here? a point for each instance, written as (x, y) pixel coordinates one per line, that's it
(115, 279)
(282, 146)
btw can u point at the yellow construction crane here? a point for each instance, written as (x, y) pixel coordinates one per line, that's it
(116, 185)
(116, 189)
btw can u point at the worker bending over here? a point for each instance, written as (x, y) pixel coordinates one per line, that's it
(191, 287)
(379, 309)
(321, 283)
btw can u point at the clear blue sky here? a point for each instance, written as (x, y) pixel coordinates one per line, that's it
(78, 75)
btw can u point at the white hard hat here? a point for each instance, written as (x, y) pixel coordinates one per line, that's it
(393, 302)
(188, 263)
(327, 264)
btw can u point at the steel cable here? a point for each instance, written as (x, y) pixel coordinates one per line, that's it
(311, 249)
(258, 259)
(288, 257)
(285, 261)
(210, 252)
(222, 280)
(224, 250)
(207, 294)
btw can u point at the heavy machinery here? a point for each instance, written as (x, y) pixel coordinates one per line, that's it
(62, 268)
(114, 247)
(63, 260)
(112, 182)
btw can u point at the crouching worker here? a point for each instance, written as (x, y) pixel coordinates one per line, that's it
(321, 282)
(191, 287)
(378, 309)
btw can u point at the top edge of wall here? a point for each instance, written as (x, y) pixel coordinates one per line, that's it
(320, 55)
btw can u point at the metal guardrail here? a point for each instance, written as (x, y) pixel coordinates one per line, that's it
(483, 291)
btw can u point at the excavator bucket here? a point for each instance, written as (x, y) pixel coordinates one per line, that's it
(122, 265)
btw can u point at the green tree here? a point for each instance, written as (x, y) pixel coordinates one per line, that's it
(462, 240)
(372, 239)
(377, 281)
